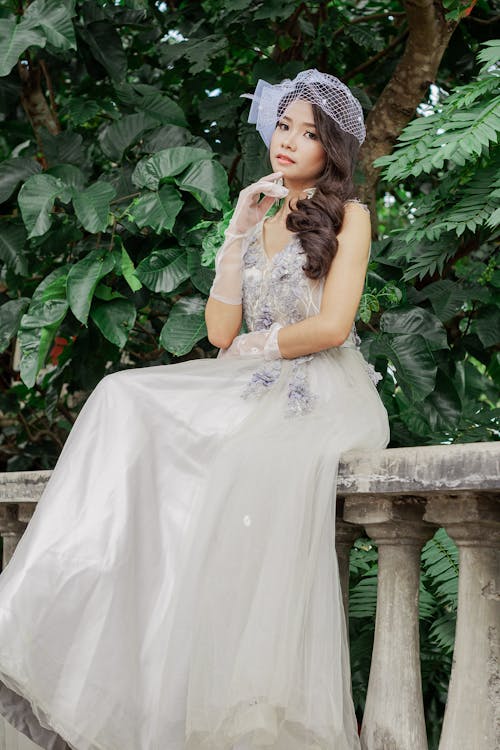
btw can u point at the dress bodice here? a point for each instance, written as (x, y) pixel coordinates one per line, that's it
(276, 289)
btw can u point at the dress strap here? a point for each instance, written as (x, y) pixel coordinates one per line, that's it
(356, 200)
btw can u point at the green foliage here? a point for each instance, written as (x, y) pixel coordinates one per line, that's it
(121, 185)
(450, 224)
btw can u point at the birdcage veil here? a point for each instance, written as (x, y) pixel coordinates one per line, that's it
(269, 101)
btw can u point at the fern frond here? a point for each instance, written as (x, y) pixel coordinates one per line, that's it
(463, 201)
(442, 632)
(363, 596)
(490, 54)
(464, 127)
(440, 564)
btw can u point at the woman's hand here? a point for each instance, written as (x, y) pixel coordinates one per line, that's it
(255, 343)
(250, 209)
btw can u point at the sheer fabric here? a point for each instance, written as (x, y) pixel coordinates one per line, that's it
(177, 587)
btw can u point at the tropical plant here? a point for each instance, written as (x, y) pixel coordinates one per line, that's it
(446, 251)
(122, 129)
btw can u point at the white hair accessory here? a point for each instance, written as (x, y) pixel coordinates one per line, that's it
(333, 96)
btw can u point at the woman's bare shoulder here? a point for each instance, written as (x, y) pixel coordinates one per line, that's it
(356, 200)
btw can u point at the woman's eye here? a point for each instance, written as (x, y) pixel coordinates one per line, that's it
(312, 135)
(282, 125)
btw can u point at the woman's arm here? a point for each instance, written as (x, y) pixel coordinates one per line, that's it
(223, 312)
(342, 291)
(223, 322)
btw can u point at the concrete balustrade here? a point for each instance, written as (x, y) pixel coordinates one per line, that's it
(399, 497)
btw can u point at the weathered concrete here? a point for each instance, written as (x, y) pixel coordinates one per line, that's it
(416, 470)
(472, 717)
(398, 495)
(394, 711)
(421, 469)
(345, 536)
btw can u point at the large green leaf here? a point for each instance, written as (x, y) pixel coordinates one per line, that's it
(12, 172)
(487, 326)
(12, 244)
(36, 199)
(446, 296)
(83, 279)
(14, 39)
(39, 324)
(72, 176)
(163, 270)
(185, 325)
(415, 320)
(442, 407)
(54, 18)
(92, 206)
(145, 98)
(412, 358)
(63, 148)
(115, 320)
(127, 269)
(106, 46)
(170, 136)
(167, 163)
(207, 181)
(124, 133)
(11, 313)
(156, 210)
(201, 276)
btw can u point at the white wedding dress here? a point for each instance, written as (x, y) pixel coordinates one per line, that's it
(177, 587)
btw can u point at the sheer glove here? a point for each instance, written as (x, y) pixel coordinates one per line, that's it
(255, 343)
(249, 211)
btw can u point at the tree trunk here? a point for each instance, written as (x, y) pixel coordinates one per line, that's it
(428, 36)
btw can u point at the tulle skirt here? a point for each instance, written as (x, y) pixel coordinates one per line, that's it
(177, 587)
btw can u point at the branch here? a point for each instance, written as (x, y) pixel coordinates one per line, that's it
(50, 88)
(427, 39)
(375, 58)
(370, 17)
(484, 21)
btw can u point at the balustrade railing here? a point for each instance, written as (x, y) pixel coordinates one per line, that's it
(399, 497)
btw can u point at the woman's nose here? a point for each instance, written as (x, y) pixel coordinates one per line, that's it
(288, 141)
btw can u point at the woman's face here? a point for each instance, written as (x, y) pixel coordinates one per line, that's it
(295, 148)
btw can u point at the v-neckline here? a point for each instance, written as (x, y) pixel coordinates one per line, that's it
(263, 246)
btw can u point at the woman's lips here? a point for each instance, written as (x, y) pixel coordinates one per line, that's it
(284, 159)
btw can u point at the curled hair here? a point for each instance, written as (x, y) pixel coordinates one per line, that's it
(318, 220)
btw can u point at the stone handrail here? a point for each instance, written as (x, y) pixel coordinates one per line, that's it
(399, 496)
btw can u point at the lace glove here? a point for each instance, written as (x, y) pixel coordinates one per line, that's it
(254, 344)
(249, 211)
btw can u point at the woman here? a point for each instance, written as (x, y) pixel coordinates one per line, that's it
(177, 586)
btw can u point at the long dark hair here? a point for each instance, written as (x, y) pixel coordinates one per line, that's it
(318, 220)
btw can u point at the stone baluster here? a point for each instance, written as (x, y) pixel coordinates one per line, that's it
(11, 530)
(345, 536)
(394, 711)
(472, 716)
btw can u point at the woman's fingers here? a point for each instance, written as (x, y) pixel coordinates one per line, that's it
(273, 176)
(268, 188)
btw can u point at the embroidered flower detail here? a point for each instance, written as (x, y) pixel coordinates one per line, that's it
(264, 319)
(281, 268)
(263, 379)
(251, 254)
(300, 398)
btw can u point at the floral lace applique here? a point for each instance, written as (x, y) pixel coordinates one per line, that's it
(263, 379)
(300, 397)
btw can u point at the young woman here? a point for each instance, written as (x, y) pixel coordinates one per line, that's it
(177, 587)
